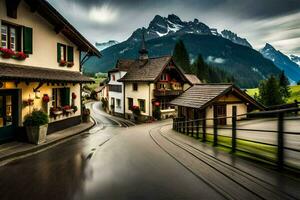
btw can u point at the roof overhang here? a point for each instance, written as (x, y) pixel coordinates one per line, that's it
(61, 25)
(10, 72)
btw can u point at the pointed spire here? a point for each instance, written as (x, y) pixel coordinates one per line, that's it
(143, 51)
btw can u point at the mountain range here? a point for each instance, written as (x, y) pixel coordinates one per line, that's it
(283, 62)
(225, 50)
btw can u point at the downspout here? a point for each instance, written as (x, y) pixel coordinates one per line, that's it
(123, 83)
(150, 113)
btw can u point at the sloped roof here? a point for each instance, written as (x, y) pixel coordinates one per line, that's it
(122, 65)
(48, 12)
(31, 74)
(146, 70)
(201, 95)
(193, 78)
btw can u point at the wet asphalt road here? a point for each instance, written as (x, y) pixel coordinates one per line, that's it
(110, 163)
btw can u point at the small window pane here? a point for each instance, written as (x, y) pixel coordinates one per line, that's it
(13, 39)
(4, 36)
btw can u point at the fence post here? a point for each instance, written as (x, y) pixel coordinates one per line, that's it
(193, 124)
(197, 129)
(280, 141)
(215, 143)
(204, 130)
(184, 126)
(233, 137)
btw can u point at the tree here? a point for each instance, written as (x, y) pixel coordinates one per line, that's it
(200, 68)
(181, 56)
(284, 85)
(269, 92)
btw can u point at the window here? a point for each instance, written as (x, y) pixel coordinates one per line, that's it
(163, 77)
(142, 105)
(115, 88)
(9, 37)
(118, 103)
(4, 36)
(135, 87)
(61, 97)
(13, 39)
(130, 103)
(113, 77)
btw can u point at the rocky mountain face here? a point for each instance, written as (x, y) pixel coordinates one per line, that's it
(282, 61)
(295, 59)
(226, 50)
(235, 38)
(104, 45)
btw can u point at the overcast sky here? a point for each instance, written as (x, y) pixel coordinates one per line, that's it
(274, 21)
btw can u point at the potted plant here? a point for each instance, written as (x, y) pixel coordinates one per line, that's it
(54, 112)
(36, 125)
(136, 112)
(67, 110)
(86, 115)
(62, 63)
(46, 98)
(75, 108)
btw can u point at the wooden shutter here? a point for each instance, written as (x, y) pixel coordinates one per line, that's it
(65, 96)
(58, 52)
(70, 52)
(27, 40)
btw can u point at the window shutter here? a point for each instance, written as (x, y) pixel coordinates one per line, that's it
(27, 40)
(70, 53)
(58, 52)
(65, 96)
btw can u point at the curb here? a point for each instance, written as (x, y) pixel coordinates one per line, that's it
(37, 149)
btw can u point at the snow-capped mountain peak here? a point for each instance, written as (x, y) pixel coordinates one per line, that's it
(282, 61)
(295, 59)
(173, 25)
(235, 38)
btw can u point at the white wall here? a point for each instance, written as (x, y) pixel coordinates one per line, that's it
(145, 91)
(117, 95)
(45, 39)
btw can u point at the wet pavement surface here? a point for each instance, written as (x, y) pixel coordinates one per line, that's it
(110, 163)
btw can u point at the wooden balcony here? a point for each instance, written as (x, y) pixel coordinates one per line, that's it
(161, 93)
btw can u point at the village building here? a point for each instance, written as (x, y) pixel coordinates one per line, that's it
(214, 100)
(116, 88)
(151, 82)
(40, 66)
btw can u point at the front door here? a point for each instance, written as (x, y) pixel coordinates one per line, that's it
(8, 114)
(221, 114)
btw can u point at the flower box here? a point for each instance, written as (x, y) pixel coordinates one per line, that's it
(70, 64)
(6, 53)
(20, 55)
(62, 63)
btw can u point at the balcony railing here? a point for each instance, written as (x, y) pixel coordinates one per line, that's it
(167, 92)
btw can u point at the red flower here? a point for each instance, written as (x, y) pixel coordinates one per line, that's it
(7, 53)
(46, 98)
(74, 96)
(21, 55)
(62, 63)
(67, 107)
(157, 103)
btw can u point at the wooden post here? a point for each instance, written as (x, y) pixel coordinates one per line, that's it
(193, 124)
(280, 141)
(233, 138)
(197, 129)
(204, 128)
(215, 143)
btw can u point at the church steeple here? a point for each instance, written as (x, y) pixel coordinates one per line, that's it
(143, 51)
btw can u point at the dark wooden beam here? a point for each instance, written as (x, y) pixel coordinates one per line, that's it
(59, 28)
(12, 8)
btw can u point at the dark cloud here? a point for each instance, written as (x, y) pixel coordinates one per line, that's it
(257, 20)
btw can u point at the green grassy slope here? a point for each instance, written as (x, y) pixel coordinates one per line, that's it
(295, 95)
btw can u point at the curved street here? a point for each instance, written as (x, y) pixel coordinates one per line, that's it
(120, 160)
